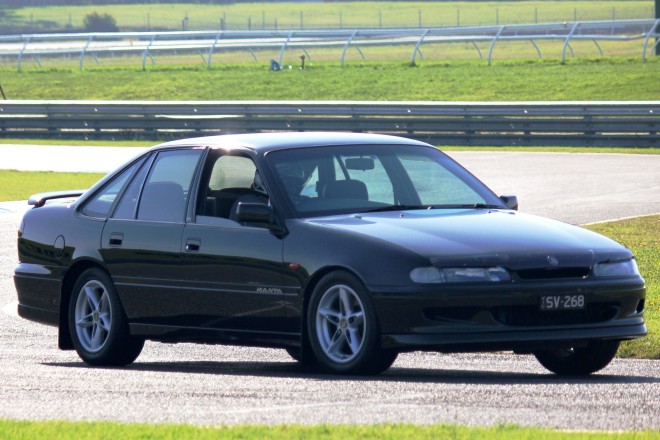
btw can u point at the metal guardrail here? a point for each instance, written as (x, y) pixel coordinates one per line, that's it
(628, 124)
(206, 43)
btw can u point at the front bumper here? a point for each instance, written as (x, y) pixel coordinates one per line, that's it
(508, 317)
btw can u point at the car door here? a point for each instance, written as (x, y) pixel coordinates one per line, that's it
(141, 242)
(233, 272)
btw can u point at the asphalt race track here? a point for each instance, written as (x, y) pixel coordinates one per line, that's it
(213, 385)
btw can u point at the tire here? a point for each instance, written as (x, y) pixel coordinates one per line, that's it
(579, 361)
(97, 323)
(343, 329)
(306, 360)
(294, 353)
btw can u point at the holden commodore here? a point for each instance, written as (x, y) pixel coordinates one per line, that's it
(343, 249)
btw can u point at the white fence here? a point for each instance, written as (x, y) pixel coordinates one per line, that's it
(205, 43)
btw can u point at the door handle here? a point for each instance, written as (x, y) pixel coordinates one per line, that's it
(116, 239)
(193, 245)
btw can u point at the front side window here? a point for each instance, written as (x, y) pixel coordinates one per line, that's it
(228, 179)
(165, 194)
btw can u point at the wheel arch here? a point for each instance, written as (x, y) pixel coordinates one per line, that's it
(64, 341)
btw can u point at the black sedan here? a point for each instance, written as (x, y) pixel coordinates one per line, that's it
(343, 249)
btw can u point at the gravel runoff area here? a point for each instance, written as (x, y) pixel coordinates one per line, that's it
(213, 385)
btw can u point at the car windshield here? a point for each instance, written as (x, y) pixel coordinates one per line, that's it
(370, 178)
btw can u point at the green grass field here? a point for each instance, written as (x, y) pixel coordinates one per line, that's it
(19, 185)
(20, 430)
(641, 236)
(288, 15)
(513, 80)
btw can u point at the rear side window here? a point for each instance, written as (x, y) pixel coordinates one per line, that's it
(101, 204)
(127, 206)
(165, 193)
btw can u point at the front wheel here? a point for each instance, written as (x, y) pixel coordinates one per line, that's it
(97, 323)
(343, 328)
(579, 361)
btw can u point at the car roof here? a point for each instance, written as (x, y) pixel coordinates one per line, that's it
(264, 142)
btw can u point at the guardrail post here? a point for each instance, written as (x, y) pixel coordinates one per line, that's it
(84, 49)
(657, 15)
(492, 44)
(20, 54)
(567, 43)
(286, 43)
(210, 54)
(419, 43)
(146, 53)
(346, 46)
(651, 32)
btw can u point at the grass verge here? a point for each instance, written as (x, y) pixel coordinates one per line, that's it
(19, 430)
(19, 185)
(608, 79)
(641, 235)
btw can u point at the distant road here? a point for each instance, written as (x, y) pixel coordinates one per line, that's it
(576, 188)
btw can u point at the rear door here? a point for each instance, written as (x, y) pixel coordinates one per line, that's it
(141, 242)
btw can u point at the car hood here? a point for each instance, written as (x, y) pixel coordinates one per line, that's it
(482, 237)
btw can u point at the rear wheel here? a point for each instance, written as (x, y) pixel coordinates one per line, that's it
(98, 326)
(579, 361)
(306, 360)
(343, 329)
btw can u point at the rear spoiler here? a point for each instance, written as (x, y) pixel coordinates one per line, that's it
(40, 199)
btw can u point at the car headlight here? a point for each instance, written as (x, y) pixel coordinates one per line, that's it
(431, 274)
(616, 269)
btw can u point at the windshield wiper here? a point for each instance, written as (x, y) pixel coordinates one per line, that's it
(398, 208)
(418, 207)
(480, 206)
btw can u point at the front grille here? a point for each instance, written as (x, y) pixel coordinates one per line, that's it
(553, 273)
(453, 314)
(530, 316)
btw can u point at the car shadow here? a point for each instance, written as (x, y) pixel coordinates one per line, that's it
(394, 374)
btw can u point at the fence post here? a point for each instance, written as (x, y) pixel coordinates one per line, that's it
(657, 17)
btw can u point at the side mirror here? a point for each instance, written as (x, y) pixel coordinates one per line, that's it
(255, 213)
(510, 201)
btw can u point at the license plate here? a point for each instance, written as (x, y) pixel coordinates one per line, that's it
(562, 302)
